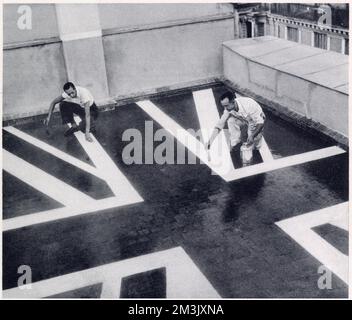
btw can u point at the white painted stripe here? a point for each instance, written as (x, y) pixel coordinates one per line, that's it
(124, 192)
(220, 168)
(184, 137)
(208, 116)
(42, 181)
(54, 151)
(283, 163)
(116, 180)
(340, 222)
(265, 152)
(300, 229)
(66, 212)
(183, 278)
(81, 35)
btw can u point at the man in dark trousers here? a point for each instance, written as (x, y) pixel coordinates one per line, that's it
(79, 101)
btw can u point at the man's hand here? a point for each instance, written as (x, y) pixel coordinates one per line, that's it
(250, 140)
(46, 121)
(88, 137)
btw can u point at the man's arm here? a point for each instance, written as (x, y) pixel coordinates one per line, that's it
(212, 137)
(258, 128)
(87, 110)
(259, 118)
(220, 125)
(51, 109)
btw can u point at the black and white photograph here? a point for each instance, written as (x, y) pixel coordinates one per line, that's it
(175, 151)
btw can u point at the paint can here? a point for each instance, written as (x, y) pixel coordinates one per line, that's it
(246, 154)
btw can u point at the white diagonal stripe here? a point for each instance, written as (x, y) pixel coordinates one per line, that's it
(183, 278)
(184, 137)
(54, 151)
(66, 212)
(265, 151)
(112, 175)
(208, 116)
(43, 182)
(300, 229)
(124, 192)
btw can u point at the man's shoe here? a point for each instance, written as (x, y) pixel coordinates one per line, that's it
(70, 131)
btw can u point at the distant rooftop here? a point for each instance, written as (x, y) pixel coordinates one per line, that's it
(326, 68)
(310, 12)
(313, 11)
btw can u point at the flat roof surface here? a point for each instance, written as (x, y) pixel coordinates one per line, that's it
(320, 66)
(92, 225)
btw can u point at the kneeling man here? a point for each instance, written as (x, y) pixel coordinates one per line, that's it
(75, 100)
(240, 113)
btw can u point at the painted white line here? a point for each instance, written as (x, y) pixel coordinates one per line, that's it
(221, 168)
(54, 151)
(340, 221)
(183, 278)
(184, 137)
(66, 212)
(283, 163)
(72, 198)
(208, 117)
(300, 229)
(265, 152)
(112, 175)
(42, 181)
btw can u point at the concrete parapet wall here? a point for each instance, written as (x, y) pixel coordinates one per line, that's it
(157, 58)
(120, 51)
(317, 91)
(30, 87)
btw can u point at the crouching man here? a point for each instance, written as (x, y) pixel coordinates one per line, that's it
(239, 114)
(79, 101)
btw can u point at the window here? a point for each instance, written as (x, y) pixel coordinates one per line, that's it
(261, 29)
(249, 29)
(320, 40)
(292, 34)
(346, 46)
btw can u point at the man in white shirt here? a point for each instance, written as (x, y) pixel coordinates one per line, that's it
(240, 113)
(75, 100)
